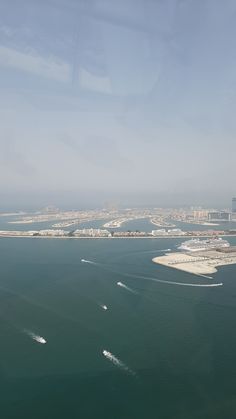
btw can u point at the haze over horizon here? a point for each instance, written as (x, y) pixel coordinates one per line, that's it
(130, 101)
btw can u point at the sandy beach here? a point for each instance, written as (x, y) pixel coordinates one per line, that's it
(202, 263)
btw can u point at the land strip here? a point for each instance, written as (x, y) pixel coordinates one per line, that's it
(201, 263)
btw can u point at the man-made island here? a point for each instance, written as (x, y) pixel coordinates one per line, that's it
(200, 257)
(114, 218)
(91, 233)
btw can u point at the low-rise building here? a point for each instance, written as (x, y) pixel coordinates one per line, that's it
(160, 232)
(52, 233)
(92, 232)
(176, 232)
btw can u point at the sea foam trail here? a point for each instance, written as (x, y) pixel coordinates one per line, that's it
(88, 261)
(154, 251)
(120, 284)
(183, 284)
(117, 362)
(205, 276)
(161, 250)
(35, 337)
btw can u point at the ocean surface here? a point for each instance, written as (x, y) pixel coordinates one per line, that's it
(160, 350)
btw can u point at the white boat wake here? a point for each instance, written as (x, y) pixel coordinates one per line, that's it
(87, 261)
(158, 251)
(153, 251)
(183, 284)
(205, 276)
(120, 284)
(35, 337)
(112, 358)
(162, 250)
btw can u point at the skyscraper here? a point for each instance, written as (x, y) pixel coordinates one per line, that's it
(233, 204)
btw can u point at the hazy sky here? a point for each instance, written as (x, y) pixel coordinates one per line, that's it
(129, 100)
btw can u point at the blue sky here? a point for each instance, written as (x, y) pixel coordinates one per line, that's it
(131, 101)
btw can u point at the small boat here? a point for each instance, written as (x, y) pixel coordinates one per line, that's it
(39, 339)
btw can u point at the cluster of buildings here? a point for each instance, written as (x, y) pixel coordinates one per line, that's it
(164, 232)
(219, 216)
(210, 215)
(233, 205)
(91, 232)
(213, 215)
(102, 233)
(130, 234)
(49, 233)
(198, 215)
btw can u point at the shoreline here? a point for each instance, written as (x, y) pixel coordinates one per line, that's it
(201, 264)
(203, 223)
(161, 224)
(9, 235)
(117, 223)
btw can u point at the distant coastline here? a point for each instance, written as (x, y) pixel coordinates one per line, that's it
(19, 234)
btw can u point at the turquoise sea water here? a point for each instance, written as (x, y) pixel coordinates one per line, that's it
(177, 342)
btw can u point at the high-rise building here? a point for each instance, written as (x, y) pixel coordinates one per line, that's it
(233, 204)
(200, 214)
(219, 216)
